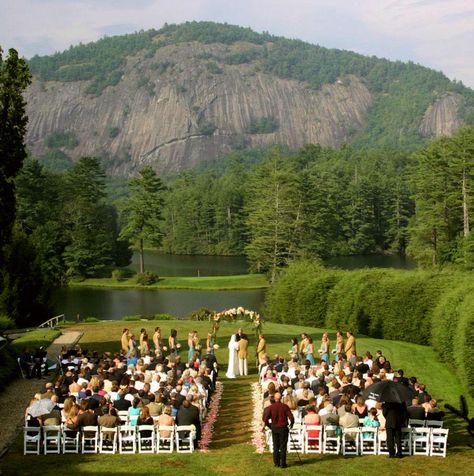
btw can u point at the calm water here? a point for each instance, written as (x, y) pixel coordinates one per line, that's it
(116, 303)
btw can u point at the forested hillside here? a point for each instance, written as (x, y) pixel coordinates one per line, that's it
(174, 97)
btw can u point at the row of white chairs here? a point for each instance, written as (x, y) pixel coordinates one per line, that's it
(362, 440)
(96, 439)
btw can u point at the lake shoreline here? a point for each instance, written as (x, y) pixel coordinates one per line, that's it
(203, 283)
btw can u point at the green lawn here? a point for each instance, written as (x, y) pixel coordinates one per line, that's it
(211, 283)
(231, 451)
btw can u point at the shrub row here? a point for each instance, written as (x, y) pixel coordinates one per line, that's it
(423, 307)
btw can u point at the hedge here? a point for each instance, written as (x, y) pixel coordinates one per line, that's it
(423, 307)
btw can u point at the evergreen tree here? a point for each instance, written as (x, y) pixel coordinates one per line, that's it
(90, 240)
(14, 79)
(271, 215)
(143, 211)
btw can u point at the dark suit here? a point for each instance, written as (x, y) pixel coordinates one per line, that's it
(189, 416)
(395, 416)
(416, 412)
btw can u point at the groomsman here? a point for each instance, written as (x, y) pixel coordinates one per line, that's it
(261, 349)
(242, 353)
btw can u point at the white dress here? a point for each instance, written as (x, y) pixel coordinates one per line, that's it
(233, 367)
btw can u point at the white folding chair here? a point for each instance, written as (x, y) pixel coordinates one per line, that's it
(434, 424)
(420, 438)
(127, 435)
(52, 439)
(146, 438)
(21, 368)
(185, 435)
(90, 439)
(108, 440)
(350, 441)
(313, 443)
(269, 439)
(331, 441)
(368, 440)
(439, 442)
(406, 441)
(414, 423)
(165, 439)
(123, 415)
(70, 441)
(295, 442)
(382, 448)
(31, 440)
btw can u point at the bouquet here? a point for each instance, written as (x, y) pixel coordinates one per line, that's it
(178, 346)
(215, 346)
(164, 348)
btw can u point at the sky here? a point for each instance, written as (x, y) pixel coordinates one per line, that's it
(435, 33)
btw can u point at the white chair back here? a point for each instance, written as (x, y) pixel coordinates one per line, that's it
(90, 439)
(31, 440)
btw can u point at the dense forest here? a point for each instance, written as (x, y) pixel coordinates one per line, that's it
(401, 92)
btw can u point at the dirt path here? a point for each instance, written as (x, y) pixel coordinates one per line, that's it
(16, 396)
(234, 424)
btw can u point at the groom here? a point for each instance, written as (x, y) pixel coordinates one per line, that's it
(242, 351)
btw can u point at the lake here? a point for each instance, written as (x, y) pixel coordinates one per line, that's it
(108, 303)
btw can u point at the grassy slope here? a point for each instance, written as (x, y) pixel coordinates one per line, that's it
(231, 453)
(211, 283)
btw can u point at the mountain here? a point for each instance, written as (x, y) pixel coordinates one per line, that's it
(186, 93)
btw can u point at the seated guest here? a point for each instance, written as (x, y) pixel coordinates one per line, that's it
(189, 415)
(109, 420)
(415, 410)
(371, 420)
(360, 408)
(312, 418)
(349, 420)
(134, 411)
(434, 413)
(165, 419)
(145, 419)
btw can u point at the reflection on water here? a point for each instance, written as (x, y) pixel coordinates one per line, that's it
(108, 303)
(187, 265)
(116, 303)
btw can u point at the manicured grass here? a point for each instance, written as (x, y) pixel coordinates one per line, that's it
(231, 451)
(34, 339)
(211, 283)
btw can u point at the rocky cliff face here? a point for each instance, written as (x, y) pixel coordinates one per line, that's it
(442, 118)
(193, 111)
(182, 105)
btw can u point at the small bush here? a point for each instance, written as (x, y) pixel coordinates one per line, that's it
(114, 132)
(60, 139)
(120, 274)
(147, 278)
(162, 317)
(202, 314)
(131, 318)
(6, 323)
(91, 319)
(213, 68)
(207, 128)
(263, 125)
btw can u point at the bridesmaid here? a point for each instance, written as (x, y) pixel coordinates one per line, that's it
(193, 342)
(157, 338)
(324, 349)
(294, 348)
(309, 351)
(173, 341)
(339, 345)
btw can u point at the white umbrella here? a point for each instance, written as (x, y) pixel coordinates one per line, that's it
(41, 407)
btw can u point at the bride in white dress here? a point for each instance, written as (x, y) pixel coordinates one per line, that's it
(233, 368)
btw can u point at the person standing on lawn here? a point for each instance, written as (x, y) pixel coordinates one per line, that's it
(280, 415)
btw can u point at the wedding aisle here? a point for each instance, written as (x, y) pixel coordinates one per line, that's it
(234, 422)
